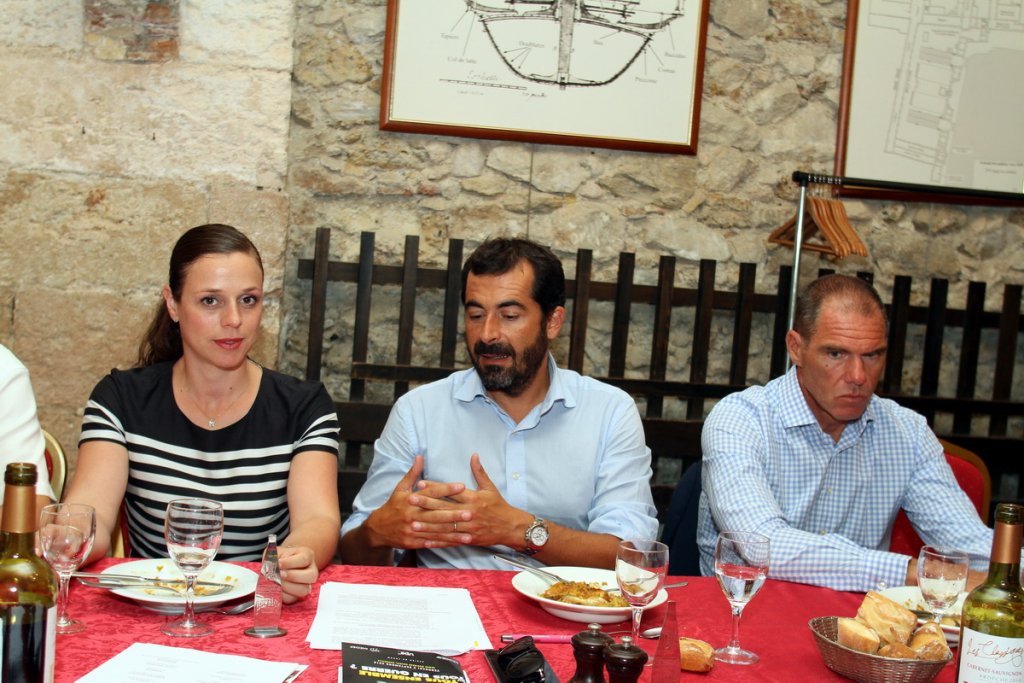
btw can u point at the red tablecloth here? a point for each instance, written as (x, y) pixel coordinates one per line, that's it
(774, 626)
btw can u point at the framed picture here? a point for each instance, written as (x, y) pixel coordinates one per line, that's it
(622, 74)
(930, 97)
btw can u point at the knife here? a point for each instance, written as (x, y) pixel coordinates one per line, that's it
(133, 580)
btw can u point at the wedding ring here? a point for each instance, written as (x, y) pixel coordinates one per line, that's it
(455, 527)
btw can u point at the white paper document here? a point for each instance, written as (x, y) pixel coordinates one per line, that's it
(441, 620)
(157, 663)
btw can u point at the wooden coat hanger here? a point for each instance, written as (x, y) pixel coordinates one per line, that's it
(823, 218)
(828, 217)
(842, 220)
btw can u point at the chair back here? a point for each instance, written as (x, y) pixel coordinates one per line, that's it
(973, 476)
(680, 532)
(56, 463)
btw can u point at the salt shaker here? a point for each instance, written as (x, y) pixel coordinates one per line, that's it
(624, 661)
(267, 605)
(588, 648)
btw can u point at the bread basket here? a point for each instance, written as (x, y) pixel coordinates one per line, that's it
(866, 668)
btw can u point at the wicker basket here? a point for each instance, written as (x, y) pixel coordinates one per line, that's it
(866, 668)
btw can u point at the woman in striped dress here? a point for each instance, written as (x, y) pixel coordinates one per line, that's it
(198, 418)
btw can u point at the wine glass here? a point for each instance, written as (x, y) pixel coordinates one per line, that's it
(640, 568)
(941, 576)
(193, 529)
(66, 534)
(741, 565)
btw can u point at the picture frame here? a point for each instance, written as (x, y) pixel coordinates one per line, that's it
(617, 74)
(917, 109)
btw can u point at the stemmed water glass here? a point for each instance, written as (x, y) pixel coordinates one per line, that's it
(741, 565)
(193, 528)
(941, 576)
(640, 568)
(66, 534)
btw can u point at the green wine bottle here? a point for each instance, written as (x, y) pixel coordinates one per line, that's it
(992, 623)
(28, 588)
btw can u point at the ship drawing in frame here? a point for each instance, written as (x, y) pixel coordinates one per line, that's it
(573, 42)
(640, 61)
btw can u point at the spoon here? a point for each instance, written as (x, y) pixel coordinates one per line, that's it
(232, 609)
(652, 633)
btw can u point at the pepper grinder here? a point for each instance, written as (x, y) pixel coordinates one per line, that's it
(625, 661)
(588, 648)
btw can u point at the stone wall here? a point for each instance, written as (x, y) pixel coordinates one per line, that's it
(124, 123)
(112, 148)
(771, 87)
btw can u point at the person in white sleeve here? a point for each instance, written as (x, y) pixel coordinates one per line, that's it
(21, 439)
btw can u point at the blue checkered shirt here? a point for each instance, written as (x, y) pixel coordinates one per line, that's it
(829, 507)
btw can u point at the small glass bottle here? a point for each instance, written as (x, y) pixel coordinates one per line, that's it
(624, 661)
(267, 603)
(588, 649)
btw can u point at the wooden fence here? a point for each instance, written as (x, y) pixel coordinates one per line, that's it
(990, 425)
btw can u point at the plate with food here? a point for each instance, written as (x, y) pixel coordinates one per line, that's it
(911, 598)
(587, 594)
(163, 599)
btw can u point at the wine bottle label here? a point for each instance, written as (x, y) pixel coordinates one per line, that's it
(28, 639)
(51, 644)
(986, 658)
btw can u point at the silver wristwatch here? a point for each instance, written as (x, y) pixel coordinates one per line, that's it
(536, 536)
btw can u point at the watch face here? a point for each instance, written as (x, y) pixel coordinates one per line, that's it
(538, 535)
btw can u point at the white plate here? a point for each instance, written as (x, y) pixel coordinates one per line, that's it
(244, 581)
(532, 586)
(910, 597)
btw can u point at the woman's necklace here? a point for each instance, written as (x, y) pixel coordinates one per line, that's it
(211, 422)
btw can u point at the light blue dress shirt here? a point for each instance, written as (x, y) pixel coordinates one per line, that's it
(829, 507)
(578, 459)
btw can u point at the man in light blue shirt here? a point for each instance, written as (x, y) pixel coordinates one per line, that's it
(819, 464)
(512, 454)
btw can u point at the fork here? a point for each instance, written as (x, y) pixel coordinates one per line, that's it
(546, 575)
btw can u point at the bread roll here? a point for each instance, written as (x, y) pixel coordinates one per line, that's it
(890, 620)
(856, 636)
(695, 655)
(933, 649)
(929, 642)
(898, 651)
(929, 630)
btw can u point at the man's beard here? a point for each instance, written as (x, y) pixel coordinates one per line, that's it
(514, 378)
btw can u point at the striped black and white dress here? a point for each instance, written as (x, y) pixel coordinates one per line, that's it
(244, 466)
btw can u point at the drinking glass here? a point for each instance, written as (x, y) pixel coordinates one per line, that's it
(66, 534)
(640, 568)
(193, 528)
(942, 577)
(741, 565)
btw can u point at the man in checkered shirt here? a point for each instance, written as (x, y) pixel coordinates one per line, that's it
(821, 465)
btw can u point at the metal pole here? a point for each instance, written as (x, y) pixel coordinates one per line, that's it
(798, 243)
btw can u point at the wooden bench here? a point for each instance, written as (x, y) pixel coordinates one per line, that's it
(723, 332)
